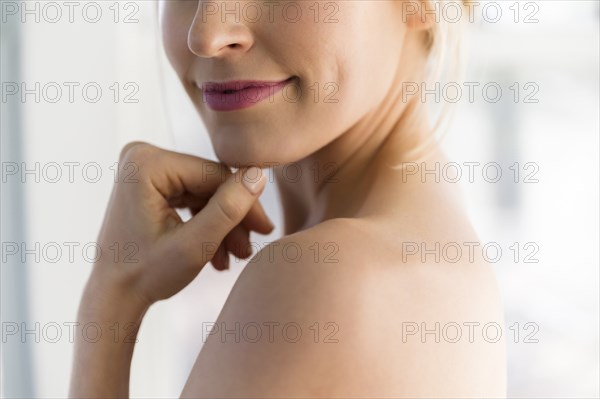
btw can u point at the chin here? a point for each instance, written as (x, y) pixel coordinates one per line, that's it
(264, 151)
(236, 156)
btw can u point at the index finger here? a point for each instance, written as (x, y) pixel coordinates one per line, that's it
(172, 173)
(258, 220)
(176, 174)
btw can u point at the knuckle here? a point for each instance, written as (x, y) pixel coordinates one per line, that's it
(214, 171)
(128, 146)
(230, 209)
(192, 255)
(139, 154)
(136, 151)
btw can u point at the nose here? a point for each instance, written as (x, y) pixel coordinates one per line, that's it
(218, 31)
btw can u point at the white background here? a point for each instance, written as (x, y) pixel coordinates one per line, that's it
(559, 213)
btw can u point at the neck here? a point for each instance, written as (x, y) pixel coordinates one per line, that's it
(334, 181)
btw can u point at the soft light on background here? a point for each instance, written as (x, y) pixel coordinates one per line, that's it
(551, 131)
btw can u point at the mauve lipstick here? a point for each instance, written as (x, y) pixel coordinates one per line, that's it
(239, 94)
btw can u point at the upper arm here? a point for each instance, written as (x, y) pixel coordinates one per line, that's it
(314, 328)
(280, 328)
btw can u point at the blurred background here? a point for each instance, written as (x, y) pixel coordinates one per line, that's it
(77, 87)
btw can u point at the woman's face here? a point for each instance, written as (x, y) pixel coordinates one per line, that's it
(336, 61)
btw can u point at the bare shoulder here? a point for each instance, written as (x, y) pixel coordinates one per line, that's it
(340, 310)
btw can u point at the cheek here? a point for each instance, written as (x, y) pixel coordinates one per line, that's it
(349, 68)
(360, 53)
(368, 54)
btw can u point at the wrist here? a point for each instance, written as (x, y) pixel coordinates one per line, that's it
(110, 300)
(109, 318)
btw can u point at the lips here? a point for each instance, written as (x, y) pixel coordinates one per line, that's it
(233, 86)
(240, 94)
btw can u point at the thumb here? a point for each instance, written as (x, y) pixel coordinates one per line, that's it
(227, 207)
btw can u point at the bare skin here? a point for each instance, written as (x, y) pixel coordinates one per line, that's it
(354, 292)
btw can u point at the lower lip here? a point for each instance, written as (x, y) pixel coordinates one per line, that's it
(241, 99)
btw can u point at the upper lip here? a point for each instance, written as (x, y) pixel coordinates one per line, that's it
(235, 85)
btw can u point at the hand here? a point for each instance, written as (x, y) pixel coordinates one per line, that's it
(147, 249)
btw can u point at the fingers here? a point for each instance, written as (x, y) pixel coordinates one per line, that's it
(225, 204)
(173, 174)
(226, 208)
(257, 220)
(220, 261)
(238, 242)
(188, 181)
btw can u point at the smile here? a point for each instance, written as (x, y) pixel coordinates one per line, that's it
(241, 94)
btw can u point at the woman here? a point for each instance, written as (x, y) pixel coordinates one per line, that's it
(366, 303)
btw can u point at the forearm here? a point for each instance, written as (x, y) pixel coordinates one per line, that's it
(108, 321)
(168, 252)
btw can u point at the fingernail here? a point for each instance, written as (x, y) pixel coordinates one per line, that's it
(253, 180)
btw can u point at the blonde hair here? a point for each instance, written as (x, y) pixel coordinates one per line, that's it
(445, 62)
